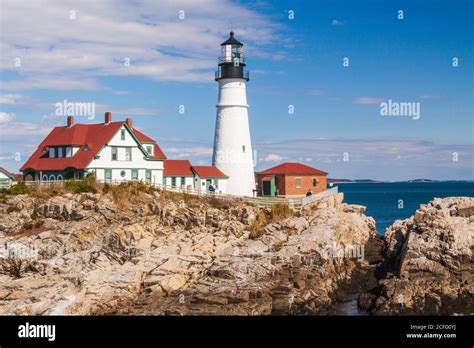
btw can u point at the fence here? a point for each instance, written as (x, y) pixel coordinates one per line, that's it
(259, 201)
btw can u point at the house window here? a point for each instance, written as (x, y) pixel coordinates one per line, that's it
(68, 151)
(123, 173)
(114, 153)
(182, 181)
(59, 177)
(298, 182)
(315, 182)
(135, 174)
(148, 176)
(149, 149)
(128, 154)
(173, 181)
(108, 175)
(122, 134)
(60, 152)
(52, 152)
(52, 177)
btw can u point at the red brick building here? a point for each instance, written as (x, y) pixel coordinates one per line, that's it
(290, 180)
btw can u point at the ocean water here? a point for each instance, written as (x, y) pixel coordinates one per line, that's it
(382, 199)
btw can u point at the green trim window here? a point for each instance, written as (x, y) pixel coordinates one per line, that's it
(108, 175)
(114, 154)
(149, 149)
(135, 174)
(128, 154)
(183, 181)
(148, 176)
(173, 181)
(298, 182)
(122, 134)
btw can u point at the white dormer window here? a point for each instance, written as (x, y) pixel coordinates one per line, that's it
(149, 149)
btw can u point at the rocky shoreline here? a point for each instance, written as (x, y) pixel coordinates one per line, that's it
(428, 264)
(160, 253)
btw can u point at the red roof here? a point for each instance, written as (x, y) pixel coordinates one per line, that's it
(177, 168)
(267, 178)
(95, 136)
(142, 137)
(208, 172)
(157, 152)
(292, 168)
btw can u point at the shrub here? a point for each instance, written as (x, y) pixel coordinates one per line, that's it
(20, 188)
(86, 184)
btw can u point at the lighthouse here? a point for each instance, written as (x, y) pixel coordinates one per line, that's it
(232, 144)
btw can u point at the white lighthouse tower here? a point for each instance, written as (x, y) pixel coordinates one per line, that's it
(232, 144)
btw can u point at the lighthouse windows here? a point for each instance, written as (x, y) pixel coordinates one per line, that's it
(243, 148)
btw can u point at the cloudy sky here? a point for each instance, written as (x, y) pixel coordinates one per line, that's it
(152, 59)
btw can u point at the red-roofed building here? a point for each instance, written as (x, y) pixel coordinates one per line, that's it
(7, 178)
(290, 180)
(205, 176)
(178, 173)
(115, 151)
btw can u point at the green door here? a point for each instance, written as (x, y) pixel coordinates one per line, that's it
(208, 183)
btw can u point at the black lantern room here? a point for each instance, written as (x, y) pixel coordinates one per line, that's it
(231, 61)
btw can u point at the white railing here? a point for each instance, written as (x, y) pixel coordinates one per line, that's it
(318, 196)
(262, 201)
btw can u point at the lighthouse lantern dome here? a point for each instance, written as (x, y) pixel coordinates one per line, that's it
(232, 51)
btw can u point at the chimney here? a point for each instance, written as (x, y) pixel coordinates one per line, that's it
(108, 117)
(70, 121)
(129, 122)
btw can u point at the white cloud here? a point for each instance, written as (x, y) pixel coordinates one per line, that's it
(6, 117)
(316, 92)
(368, 100)
(58, 52)
(271, 158)
(190, 151)
(337, 22)
(10, 99)
(377, 158)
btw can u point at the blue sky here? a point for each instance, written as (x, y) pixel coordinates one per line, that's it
(336, 125)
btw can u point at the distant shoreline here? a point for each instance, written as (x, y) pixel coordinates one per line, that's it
(414, 181)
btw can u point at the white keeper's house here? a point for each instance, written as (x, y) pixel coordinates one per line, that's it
(115, 151)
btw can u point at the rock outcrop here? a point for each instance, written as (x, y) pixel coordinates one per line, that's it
(428, 267)
(83, 254)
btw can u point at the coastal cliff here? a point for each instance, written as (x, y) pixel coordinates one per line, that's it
(428, 267)
(152, 252)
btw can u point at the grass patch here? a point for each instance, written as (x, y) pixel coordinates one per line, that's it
(264, 217)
